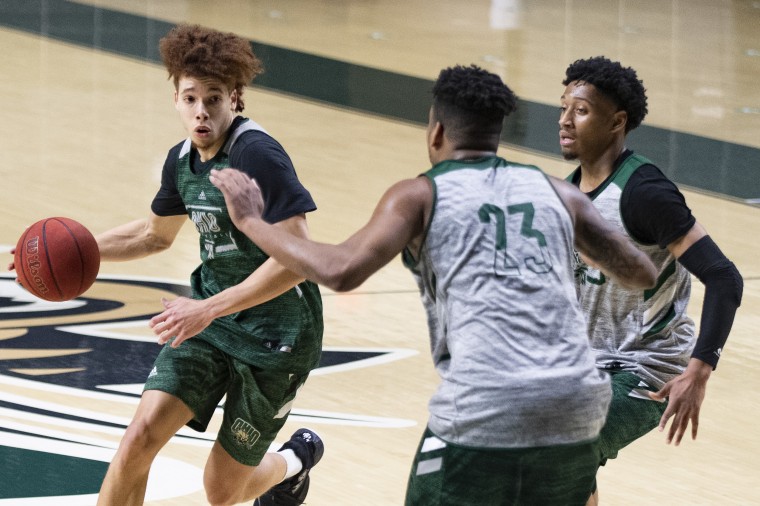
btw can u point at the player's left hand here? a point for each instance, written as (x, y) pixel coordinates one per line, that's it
(685, 394)
(12, 266)
(241, 193)
(182, 319)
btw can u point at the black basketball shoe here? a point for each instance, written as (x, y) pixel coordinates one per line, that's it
(309, 448)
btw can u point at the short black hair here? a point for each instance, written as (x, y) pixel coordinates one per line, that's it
(472, 103)
(620, 84)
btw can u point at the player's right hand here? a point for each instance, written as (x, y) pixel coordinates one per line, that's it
(241, 193)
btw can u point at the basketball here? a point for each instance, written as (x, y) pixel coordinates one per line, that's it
(57, 259)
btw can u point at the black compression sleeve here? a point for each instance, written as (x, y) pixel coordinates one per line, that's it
(723, 295)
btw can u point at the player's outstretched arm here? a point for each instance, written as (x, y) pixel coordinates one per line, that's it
(139, 238)
(604, 245)
(398, 218)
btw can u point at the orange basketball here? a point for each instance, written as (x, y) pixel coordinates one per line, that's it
(57, 259)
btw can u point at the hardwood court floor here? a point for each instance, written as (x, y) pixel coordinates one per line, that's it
(85, 133)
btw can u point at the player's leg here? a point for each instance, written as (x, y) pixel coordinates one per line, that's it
(184, 387)
(239, 467)
(227, 481)
(630, 417)
(158, 417)
(280, 478)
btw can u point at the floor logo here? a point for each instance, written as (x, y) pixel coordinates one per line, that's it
(71, 375)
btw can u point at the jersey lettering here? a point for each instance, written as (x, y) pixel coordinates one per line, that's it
(209, 247)
(205, 222)
(505, 262)
(527, 231)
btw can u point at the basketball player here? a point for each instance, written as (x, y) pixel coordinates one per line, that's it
(517, 415)
(643, 338)
(252, 330)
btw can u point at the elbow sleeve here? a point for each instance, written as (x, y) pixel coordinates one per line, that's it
(723, 294)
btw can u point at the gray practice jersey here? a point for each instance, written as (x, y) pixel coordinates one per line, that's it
(646, 332)
(507, 334)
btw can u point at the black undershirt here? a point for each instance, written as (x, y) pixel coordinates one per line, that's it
(258, 155)
(647, 198)
(654, 211)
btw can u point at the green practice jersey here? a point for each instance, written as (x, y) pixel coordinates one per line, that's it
(283, 333)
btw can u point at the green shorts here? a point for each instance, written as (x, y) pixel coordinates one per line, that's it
(257, 404)
(629, 417)
(449, 475)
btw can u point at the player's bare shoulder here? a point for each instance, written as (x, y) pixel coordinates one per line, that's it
(410, 196)
(411, 201)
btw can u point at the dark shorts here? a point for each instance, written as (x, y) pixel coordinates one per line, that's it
(630, 417)
(257, 403)
(448, 475)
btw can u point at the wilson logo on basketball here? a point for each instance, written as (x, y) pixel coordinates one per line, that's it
(33, 265)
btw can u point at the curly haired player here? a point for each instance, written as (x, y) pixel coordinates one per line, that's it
(643, 338)
(252, 330)
(516, 417)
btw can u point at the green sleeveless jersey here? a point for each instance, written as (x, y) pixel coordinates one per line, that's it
(283, 333)
(646, 332)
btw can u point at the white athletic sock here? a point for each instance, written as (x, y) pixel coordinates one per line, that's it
(293, 463)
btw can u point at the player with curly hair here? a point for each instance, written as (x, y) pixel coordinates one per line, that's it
(520, 404)
(252, 330)
(643, 338)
